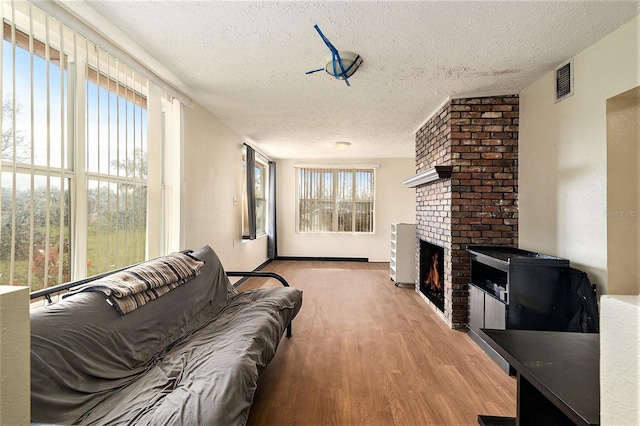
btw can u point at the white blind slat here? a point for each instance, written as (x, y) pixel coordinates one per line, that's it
(335, 200)
(74, 151)
(32, 151)
(61, 14)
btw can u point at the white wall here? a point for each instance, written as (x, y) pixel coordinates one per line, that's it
(212, 179)
(393, 203)
(563, 148)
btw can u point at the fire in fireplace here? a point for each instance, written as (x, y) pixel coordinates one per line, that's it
(432, 273)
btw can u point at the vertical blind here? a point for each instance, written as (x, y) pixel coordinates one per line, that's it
(74, 169)
(116, 163)
(35, 178)
(335, 199)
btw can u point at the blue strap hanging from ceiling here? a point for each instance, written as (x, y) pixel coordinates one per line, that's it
(335, 59)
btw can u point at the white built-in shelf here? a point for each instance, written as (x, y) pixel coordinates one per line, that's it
(402, 266)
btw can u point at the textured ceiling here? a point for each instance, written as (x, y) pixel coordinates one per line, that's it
(246, 61)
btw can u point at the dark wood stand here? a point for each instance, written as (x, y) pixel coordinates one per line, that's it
(558, 376)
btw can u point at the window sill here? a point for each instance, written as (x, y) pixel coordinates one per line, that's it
(246, 239)
(334, 233)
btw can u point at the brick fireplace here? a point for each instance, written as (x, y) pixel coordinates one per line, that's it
(478, 204)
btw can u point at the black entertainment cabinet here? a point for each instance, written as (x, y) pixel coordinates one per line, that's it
(514, 289)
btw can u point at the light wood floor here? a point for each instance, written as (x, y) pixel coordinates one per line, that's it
(365, 352)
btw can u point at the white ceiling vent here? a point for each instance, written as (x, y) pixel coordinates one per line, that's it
(564, 80)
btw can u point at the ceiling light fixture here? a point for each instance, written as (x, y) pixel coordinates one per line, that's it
(340, 65)
(341, 146)
(343, 65)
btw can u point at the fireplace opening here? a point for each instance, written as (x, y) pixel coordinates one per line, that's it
(432, 273)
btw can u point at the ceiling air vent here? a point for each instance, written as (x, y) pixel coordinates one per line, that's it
(564, 80)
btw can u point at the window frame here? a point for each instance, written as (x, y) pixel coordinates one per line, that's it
(261, 163)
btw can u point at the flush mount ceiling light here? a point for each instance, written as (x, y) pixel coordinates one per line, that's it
(341, 146)
(343, 65)
(340, 65)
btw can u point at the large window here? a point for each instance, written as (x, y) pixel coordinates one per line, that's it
(35, 177)
(335, 199)
(74, 171)
(116, 169)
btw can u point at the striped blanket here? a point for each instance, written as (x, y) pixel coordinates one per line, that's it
(133, 287)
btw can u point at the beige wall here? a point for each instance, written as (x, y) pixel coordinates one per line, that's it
(623, 193)
(563, 193)
(394, 203)
(563, 149)
(212, 179)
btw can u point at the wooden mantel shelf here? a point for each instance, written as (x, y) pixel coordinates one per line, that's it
(428, 176)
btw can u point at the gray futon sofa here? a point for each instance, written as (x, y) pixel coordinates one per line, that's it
(191, 356)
